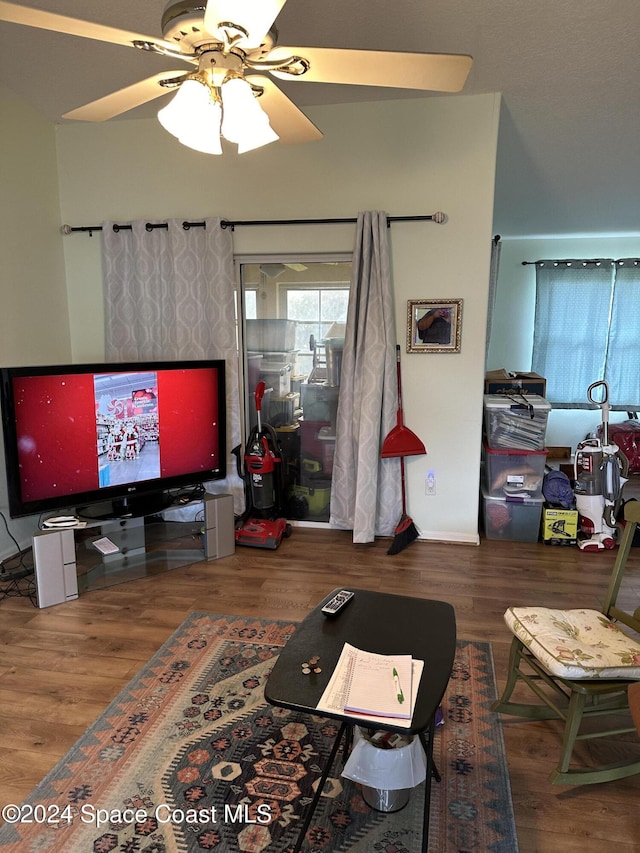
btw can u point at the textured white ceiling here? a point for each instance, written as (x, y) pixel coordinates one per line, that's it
(568, 70)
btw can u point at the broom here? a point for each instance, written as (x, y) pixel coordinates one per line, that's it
(401, 441)
(406, 532)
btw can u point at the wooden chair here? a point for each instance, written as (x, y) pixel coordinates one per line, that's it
(580, 665)
(634, 703)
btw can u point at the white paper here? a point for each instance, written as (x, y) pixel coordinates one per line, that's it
(336, 692)
(105, 546)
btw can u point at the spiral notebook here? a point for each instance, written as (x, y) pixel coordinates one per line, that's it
(370, 685)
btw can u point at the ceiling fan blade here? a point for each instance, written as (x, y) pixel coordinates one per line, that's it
(15, 14)
(125, 99)
(289, 122)
(437, 72)
(255, 17)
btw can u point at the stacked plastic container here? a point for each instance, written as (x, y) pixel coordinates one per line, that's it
(272, 359)
(514, 459)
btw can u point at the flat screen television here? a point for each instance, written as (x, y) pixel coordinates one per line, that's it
(111, 440)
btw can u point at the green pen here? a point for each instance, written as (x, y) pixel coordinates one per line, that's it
(396, 680)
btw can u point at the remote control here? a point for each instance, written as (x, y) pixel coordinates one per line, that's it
(337, 602)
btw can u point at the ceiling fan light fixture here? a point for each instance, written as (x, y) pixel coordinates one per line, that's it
(193, 116)
(243, 119)
(190, 100)
(259, 137)
(203, 132)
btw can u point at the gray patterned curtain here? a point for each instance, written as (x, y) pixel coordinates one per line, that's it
(170, 294)
(365, 491)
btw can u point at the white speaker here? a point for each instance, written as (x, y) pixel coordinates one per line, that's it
(54, 560)
(219, 527)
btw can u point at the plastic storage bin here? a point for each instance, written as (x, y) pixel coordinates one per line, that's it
(270, 335)
(318, 497)
(514, 473)
(320, 402)
(327, 439)
(276, 376)
(514, 519)
(515, 422)
(283, 410)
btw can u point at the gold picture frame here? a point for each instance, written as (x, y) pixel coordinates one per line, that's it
(444, 330)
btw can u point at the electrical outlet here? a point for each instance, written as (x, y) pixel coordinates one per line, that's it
(430, 483)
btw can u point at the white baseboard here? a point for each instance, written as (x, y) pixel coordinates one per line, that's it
(431, 536)
(449, 537)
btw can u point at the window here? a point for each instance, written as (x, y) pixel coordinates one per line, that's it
(586, 329)
(250, 306)
(315, 310)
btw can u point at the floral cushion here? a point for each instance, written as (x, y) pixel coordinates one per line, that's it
(576, 643)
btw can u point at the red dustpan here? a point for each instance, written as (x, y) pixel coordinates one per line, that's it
(401, 441)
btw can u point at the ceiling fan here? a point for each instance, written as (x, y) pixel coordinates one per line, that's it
(233, 46)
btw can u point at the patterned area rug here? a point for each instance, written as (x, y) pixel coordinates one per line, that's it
(189, 758)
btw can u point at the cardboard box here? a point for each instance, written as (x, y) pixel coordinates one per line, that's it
(559, 526)
(559, 454)
(505, 382)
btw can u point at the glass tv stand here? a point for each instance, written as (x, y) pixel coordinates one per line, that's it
(141, 547)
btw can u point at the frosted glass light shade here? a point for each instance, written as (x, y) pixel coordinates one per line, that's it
(190, 97)
(203, 131)
(260, 135)
(243, 119)
(194, 117)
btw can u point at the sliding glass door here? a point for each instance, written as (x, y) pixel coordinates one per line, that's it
(295, 315)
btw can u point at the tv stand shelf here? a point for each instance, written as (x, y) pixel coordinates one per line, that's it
(147, 546)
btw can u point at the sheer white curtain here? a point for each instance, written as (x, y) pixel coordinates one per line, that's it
(570, 338)
(169, 293)
(365, 491)
(622, 370)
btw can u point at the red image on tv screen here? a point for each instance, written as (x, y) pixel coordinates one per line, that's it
(79, 432)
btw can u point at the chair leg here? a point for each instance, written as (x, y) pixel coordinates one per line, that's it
(515, 674)
(514, 669)
(571, 729)
(562, 775)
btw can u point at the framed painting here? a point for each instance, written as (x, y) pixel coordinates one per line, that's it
(434, 325)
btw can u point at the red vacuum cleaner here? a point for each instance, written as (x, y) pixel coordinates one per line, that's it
(262, 525)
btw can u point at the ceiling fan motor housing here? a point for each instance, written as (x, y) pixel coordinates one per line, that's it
(183, 24)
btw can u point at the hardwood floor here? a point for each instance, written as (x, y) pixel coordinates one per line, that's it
(61, 665)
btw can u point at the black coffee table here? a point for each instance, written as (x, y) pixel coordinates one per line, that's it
(376, 622)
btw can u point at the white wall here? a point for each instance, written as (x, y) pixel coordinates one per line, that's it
(406, 157)
(34, 325)
(513, 319)
(34, 322)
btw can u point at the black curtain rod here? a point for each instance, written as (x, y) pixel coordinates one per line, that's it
(580, 261)
(439, 218)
